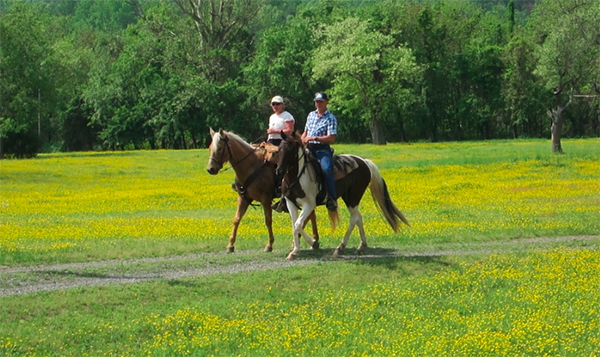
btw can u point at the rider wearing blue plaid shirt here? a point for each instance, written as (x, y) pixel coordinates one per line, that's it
(319, 133)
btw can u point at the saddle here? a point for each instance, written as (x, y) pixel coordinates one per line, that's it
(270, 152)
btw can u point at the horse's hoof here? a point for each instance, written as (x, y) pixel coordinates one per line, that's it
(292, 256)
(361, 249)
(230, 249)
(268, 249)
(316, 245)
(338, 252)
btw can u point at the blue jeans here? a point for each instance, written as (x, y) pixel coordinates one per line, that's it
(325, 158)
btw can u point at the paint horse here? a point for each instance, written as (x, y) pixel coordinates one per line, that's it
(303, 189)
(255, 180)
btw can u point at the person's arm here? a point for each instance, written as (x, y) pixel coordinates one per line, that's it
(327, 139)
(304, 138)
(289, 127)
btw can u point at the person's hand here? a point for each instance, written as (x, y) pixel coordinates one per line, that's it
(306, 139)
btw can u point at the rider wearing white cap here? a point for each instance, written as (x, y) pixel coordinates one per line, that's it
(279, 121)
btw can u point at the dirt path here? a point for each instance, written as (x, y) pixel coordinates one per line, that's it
(31, 279)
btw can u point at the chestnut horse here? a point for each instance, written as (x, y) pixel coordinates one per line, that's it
(303, 189)
(255, 180)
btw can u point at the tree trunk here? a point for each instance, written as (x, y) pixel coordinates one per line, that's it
(377, 132)
(556, 129)
(557, 119)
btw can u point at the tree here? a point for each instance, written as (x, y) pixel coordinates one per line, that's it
(367, 70)
(223, 32)
(525, 98)
(282, 65)
(568, 52)
(27, 96)
(482, 79)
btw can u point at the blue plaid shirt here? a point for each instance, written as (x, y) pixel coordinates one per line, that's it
(324, 125)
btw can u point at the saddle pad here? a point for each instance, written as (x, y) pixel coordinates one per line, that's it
(343, 165)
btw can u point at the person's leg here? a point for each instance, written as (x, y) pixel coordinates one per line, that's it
(325, 159)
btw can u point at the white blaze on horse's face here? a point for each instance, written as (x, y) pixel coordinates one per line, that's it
(217, 154)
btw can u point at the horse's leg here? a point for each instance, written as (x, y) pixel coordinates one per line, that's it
(313, 223)
(363, 238)
(308, 210)
(301, 222)
(298, 224)
(296, 235)
(269, 223)
(355, 218)
(242, 206)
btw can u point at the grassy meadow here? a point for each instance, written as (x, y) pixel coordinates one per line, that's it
(120, 205)
(540, 300)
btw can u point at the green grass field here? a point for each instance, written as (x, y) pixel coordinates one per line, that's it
(540, 299)
(77, 207)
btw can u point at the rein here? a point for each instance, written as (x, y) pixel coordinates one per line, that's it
(240, 187)
(220, 162)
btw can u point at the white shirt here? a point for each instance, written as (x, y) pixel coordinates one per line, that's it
(277, 122)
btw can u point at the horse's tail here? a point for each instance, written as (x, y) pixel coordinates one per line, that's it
(382, 198)
(334, 219)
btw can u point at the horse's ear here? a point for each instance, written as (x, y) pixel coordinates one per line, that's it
(220, 131)
(283, 136)
(212, 132)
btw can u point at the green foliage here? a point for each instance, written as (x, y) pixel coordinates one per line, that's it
(89, 75)
(368, 71)
(282, 66)
(568, 48)
(525, 97)
(28, 75)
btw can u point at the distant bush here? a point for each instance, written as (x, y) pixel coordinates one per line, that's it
(20, 143)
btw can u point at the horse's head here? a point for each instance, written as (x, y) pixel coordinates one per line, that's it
(288, 152)
(219, 153)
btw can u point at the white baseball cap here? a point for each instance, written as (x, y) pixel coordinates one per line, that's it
(277, 99)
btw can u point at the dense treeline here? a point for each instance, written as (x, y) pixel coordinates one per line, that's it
(112, 75)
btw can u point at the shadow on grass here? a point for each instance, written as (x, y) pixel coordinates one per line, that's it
(91, 275)
(377, 256)
(183, 283)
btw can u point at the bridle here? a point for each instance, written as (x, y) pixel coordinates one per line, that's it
(221, 161)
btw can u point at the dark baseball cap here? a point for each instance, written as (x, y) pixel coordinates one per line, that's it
(320, 96)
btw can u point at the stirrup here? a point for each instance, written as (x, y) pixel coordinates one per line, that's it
(280, 206)
(331, 204)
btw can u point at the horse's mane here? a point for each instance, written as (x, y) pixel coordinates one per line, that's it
(295, 138)
(238, 138)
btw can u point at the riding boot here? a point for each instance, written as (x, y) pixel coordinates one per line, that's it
(278, 189)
